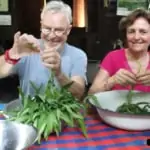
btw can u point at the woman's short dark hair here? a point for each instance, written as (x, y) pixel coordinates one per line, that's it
(125, 22)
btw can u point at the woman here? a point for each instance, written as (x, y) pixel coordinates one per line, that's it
(128, 67)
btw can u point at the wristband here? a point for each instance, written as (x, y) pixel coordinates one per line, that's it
(8, 59)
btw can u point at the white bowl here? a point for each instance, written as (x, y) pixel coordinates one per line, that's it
(109, 101)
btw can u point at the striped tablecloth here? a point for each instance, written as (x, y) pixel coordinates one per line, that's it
(101, 137)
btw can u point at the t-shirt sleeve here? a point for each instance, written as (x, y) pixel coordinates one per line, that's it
(16, 67)
(107, 64)
(79, 67)
(19, 66)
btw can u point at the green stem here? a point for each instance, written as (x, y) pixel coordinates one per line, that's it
(130, 94)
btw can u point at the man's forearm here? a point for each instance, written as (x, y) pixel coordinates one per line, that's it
(5, 68)
(76, 89)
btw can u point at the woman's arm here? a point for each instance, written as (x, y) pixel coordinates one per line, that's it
(102, 82)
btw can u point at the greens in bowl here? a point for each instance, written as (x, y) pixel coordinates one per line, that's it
(128, 118)
(138, 108)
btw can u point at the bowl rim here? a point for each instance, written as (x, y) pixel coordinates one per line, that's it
(113, 113)
(6, 105)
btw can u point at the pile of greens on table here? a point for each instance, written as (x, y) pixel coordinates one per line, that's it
(50, 111)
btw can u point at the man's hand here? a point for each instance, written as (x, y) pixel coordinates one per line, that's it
(52, 59)
(24, 45)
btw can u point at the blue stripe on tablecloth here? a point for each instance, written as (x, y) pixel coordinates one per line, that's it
(124, 144)
(94, 124)
(110, 131)
(101, 139)
(103, 147)
(146, 133)
(90, 131)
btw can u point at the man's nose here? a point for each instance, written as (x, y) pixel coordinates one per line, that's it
(52, 34)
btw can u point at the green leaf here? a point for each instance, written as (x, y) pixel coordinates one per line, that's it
(83, 127)
(41, 130)
(36, 89)
(50, 121)
(22, 96)
(56, 129)
(35, 122)
(36, 115)
(67, 86)
(41, 120)
(67, 118)
(23, 119)
(76, 115)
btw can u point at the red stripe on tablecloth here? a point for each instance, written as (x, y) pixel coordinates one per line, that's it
(90, 134)
(128, 148)
(87, 143)
(1, 116)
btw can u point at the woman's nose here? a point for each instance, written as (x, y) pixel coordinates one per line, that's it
(137, 35)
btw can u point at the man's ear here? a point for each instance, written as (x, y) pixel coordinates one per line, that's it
(40, 22)
(69, 29)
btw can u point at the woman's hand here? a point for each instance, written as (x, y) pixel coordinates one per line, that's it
(143, 78)
(124, 77)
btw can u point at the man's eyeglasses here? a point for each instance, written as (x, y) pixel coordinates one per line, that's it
(56, 31)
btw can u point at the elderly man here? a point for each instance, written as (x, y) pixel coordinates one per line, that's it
(33, 59)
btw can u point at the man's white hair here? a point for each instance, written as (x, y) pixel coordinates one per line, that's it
(58, 6)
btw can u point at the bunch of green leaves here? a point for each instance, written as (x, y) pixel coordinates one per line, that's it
(50, 110)
(131, 108)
